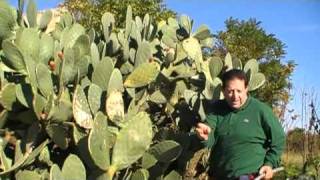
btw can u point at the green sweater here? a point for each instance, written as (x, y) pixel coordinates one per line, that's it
(243, 140)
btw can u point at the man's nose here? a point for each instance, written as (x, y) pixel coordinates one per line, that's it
(234, 95)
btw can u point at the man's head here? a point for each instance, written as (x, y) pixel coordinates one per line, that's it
(235, 88)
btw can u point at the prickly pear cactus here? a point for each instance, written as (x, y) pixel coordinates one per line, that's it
(99, 142)
(119, 103)
(142, 75)
(132, 141)
(73, 168)
(81, 111)
(256, 79)
(115, 106)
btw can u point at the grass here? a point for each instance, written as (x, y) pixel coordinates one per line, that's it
(293, 164)
(291, 158)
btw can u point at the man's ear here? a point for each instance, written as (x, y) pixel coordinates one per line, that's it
(247, 89)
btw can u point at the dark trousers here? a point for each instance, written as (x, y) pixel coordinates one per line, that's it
(243, 177)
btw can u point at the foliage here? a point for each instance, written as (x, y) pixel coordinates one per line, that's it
(246, 40)
(89, 13)
(302, 154)
(295, 172)
(295, 139)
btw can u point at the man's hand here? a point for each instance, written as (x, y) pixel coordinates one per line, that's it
(203, 131)
(267, 170)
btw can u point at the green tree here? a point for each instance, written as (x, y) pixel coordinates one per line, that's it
(246, 40)
(89, 12)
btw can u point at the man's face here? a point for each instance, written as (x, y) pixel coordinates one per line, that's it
(235, 93)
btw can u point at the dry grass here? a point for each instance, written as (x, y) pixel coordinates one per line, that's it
(292, 159)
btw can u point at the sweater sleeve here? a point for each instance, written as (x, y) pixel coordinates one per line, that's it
(275, 138)
(211, 121)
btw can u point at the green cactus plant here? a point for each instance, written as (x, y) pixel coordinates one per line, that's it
(256, 81)
(173, 175)
(215, 67)
(193, 49)
(169, 36)
(32, 13)
(70, 35)
(38, 104)
(136, 82)
(83, 45)
(142, 174)
(3, 118)
(94, 98)
(131, 143)
(61, 111)
(7, 96)
(46, 48)
(14, 58)
(95, 55)
(99, 142)
(115, 82)
(68, 69)
(8, 22)
(142, 75)
(108, 21)
(28, 41)
(30, 156)
(231, 63)
(135, 32)
(26, 159)
(27, 175)
(81, 111)
(202, 33)
(228, 62)
(58, 134)
(101, 75)
(44, 80)
(55, 173)
(73, 168)
(186, 23)
(45, 19)
(252, 66)
(112, 47)
(5, 161)
(144, 54)
(44, 156)
(166, 151)
(128, 22)
(148, 160)
(158, 97)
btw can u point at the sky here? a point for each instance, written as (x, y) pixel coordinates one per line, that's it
(41, 4)
(295, 23)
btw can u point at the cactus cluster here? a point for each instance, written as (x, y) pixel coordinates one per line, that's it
(117, 104)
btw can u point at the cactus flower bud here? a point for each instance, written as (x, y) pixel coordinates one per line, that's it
(43, 115)
(60, 55)
(52, 65)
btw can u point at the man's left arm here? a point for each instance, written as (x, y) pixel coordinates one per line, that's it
(276, 138)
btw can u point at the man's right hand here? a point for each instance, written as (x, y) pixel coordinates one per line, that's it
(203, 131)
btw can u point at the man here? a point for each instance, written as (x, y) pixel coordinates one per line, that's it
(246, 137)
